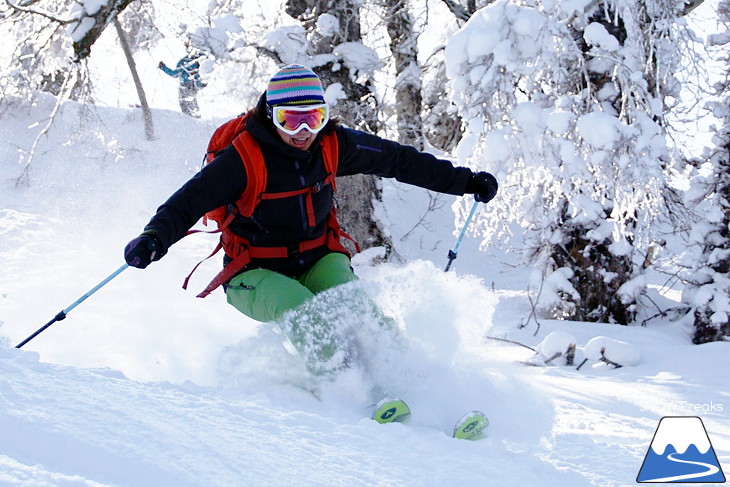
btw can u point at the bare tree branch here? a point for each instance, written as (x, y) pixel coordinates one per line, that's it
(507, 340)
(690, 5)
(47, 15)
(24, 177)
(458, 10)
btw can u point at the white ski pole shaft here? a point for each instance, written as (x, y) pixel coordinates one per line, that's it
(453, 252)
(62, 314)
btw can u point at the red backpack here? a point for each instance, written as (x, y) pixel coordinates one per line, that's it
(238, 248)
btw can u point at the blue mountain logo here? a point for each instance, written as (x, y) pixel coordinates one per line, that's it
(680, 452)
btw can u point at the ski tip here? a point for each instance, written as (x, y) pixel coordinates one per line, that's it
(471, 426)
(391, 409)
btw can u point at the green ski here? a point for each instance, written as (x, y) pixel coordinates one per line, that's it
(471, 426)
(391, 409)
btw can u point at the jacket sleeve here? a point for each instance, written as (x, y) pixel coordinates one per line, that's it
(362, 153)
(175, 73)
(219, 183)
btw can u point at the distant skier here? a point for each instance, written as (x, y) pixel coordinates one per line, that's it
(187, 72)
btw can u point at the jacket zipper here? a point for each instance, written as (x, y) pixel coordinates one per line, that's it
(367, 147)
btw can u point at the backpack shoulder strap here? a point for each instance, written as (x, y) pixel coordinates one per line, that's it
(256, 176)
(330, 155)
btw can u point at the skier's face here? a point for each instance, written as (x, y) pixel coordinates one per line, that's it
(302, 140)
(298, 125)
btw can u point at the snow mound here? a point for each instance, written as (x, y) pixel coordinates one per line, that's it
(614, 351)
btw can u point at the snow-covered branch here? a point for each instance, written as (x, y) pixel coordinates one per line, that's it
(90, 20)
(32, 11)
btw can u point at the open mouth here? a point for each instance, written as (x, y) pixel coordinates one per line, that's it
(300, 141)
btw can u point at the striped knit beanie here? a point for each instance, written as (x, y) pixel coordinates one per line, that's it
(294, 85)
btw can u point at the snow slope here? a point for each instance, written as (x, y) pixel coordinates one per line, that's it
(144, 385)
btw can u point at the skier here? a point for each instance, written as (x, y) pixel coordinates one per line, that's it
(286, 247)
(187, 73)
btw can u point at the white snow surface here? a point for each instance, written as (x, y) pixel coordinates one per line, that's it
(145, 385)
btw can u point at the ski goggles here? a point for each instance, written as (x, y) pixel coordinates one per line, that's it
(291, 118)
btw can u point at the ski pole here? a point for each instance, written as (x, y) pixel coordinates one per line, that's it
(455, 250)
(62, 314)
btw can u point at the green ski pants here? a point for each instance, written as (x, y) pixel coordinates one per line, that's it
(265, 295)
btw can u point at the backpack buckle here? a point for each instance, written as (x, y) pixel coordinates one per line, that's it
(318, 187)
(293, 250)
(241, 249)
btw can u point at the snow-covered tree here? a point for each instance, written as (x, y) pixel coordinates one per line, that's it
(564, 102)
(708, 276)
(38, 51)
(54, 38)
(39, 60)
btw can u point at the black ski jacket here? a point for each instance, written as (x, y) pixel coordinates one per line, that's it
(283, 222)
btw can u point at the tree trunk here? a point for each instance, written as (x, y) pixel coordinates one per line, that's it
(404, 47)
(147, 113)
(443, 127)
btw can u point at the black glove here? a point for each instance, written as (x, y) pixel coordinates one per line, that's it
(143, 250)
(483, 185)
